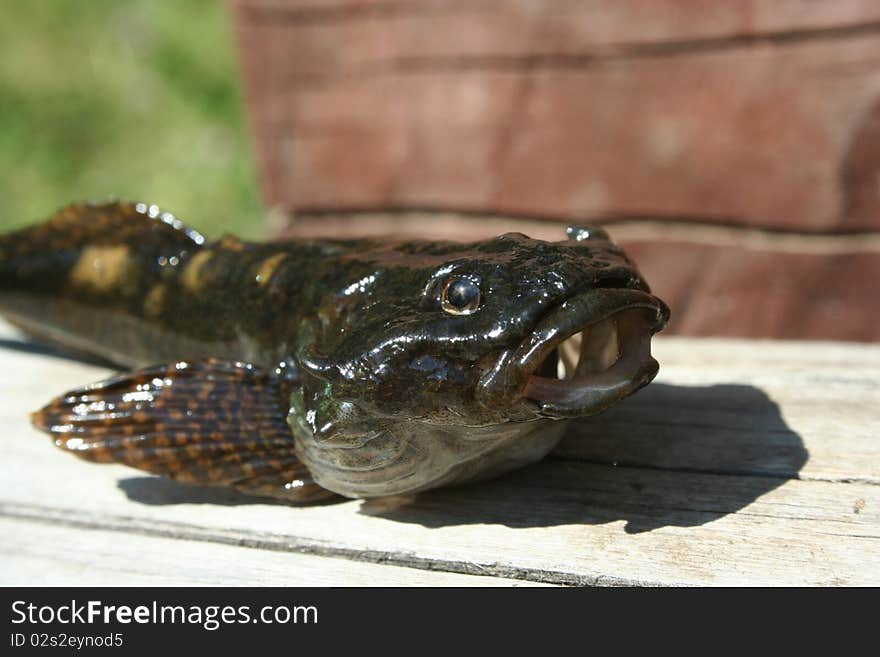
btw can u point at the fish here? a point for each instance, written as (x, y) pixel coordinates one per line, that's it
(304, 370)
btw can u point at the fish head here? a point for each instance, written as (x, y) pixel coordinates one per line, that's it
(504, 330)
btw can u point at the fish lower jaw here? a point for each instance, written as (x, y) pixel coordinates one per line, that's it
(412, 457)
(596, 366)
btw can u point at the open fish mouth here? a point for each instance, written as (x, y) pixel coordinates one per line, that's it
(586, 354)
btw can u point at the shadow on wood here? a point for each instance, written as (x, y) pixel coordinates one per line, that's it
(45, 349)
(157, 491)
(671, 455)
(690, 463)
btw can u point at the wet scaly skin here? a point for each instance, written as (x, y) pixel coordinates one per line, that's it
(386, 391)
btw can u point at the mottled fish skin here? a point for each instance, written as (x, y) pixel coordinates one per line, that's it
(383, 391)
(131, 283)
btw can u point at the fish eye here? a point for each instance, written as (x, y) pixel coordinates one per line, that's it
(460, 296)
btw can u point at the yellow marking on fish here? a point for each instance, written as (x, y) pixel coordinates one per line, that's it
(192, 278)
(105, 269)
(268, 267)
(155, 301)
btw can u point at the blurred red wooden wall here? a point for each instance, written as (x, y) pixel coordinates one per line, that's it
(733, 147)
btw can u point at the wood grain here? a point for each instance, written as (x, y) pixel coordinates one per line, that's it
(718, 280)
(93, 557)
(743, 292)
(746, 463)
(383, 30)
(761, 116)
(742, 115)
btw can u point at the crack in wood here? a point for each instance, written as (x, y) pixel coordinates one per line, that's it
(330, 14)
(612, 54)
(288, 543)
(464, 224)
(867, 536)
(341, 13)
(730, 472)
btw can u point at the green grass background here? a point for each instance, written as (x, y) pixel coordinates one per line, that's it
(133, 99)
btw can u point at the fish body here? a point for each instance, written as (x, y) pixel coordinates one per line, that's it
(298, 369)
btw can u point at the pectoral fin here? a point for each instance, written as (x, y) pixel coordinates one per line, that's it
(212, 422)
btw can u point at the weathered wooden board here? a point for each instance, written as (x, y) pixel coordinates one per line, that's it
(746, 463)
(47, 554)
(697, 114)
(717, 280)
(716, 289)
(379, 29)
(695, 144)
(773, 123)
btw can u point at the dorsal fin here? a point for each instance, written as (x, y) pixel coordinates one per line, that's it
(120, 221)
(63, 280)
(58, 242)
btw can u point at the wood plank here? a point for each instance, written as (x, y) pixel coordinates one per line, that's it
(709, 133)
(706, 511)
(807, 286)
(795, 295)
(558, 523)
(696, 114)
(377, 31)
(784, 409)
(39, 554)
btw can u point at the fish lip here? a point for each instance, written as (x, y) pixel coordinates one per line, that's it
(508, 381)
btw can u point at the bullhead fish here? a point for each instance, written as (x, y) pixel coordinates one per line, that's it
(306, 368)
